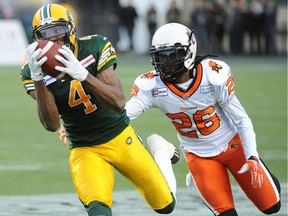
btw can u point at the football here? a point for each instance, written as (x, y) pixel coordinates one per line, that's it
(50, 49)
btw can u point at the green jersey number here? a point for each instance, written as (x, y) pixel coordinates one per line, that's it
(78, 96)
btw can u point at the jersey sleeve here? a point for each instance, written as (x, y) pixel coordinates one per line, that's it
(140, 95)
(244, 126)
(107, 55)
(220, 76)
(101, 49)
(25, 76)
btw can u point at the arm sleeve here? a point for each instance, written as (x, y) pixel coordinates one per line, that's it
(227, 100)
(244, 125)
(138, 104)
(134, 108)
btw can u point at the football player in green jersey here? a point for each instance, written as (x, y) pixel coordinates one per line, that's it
(91, 106)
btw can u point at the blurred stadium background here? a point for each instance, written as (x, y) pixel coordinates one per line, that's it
(244, 22)
(33, 161)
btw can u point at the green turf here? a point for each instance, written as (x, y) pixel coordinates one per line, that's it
(33, 161)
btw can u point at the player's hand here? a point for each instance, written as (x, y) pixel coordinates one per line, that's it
(252, 165)
(73, 67)
(35, 62)
(62, 135)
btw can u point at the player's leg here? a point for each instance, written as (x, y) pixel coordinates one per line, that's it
(266, 198)
(138, 166)
(212, 181)
(157, 143)
(93, 179)
(164, 153)
(275, 208)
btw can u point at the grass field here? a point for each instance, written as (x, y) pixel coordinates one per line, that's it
(33, 161)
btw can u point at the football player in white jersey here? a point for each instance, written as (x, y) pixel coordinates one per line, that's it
(216, 135)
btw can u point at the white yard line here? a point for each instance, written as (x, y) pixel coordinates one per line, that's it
(126, 203)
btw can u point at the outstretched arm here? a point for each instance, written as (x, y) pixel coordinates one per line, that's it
(46, 107)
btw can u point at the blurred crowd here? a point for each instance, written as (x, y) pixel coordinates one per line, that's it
(233, 27)
(257, 19)
(232, 22)
(221, 26)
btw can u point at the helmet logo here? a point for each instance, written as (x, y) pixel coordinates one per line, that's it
(46, 21)
(193, 39)
(190, 35)
(188, 32)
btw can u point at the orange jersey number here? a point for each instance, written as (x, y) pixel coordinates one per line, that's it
(78, 96)
(230, 85)
(205, 120)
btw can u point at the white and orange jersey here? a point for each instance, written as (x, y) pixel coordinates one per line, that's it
(206, 115)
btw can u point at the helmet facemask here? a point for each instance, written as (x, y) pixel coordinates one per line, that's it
(169, 61)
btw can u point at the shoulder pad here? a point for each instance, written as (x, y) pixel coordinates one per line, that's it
(146, 81)
(217, 71)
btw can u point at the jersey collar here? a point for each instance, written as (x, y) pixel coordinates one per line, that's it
(192, 88)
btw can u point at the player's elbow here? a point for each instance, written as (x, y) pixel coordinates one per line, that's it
(119, 106)
(52, 127)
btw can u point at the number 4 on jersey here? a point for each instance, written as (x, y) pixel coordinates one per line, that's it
(77, 96)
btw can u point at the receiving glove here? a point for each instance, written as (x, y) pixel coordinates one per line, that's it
(73, 67)
(62, 135)
(252, 165)
(35, 62)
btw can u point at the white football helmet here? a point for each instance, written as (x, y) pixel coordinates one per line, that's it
(173, 50)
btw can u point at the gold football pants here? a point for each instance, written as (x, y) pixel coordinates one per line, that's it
(92, 170)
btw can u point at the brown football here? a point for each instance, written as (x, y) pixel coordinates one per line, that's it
(50, 49)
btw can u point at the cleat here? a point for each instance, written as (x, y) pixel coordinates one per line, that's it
(157, 142)
(176, 156)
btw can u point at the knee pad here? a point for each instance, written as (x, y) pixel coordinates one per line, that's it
(98, 208)
(273, 209)
(168, 209)
(230, 212)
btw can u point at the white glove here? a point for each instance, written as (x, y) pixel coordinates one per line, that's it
(73, 67)
(34, 62)
(252, 165)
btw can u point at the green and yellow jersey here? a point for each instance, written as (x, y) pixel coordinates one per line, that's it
(87, 121)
